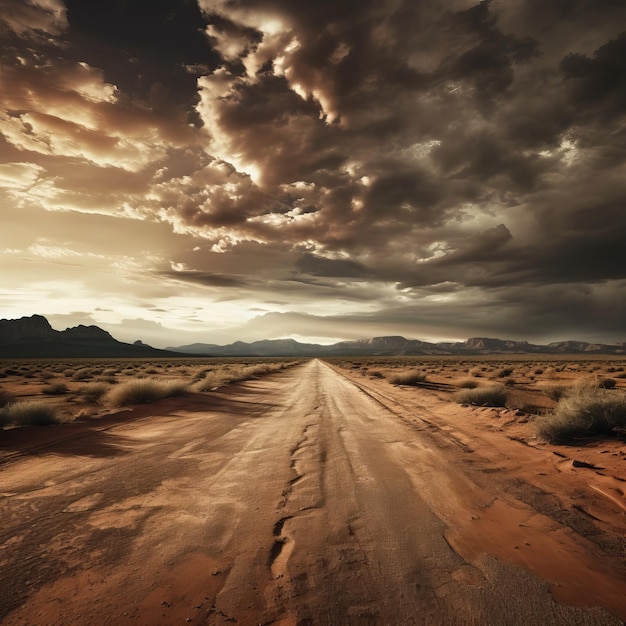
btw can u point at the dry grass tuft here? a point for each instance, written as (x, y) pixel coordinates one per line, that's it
(29, 413)
(232, 374)
(93, 392)
(145, 390)
(84, 373)
(584, 412)
(467, 383)
(408, 378)
(556, 391)
(55, 389)
(496, 395)
(504, 372)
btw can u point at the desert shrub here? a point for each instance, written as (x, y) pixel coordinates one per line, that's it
(55, 389)
(607, 383)
(30, 413)
(145, 390)
(585, 411)
(476, 372)
(538, 371)
(109, 380)
(93, 392)
(68, 373)
(236, 373)
(84, 373)
(495, 395)
(504, 372)
(376, 374)
(556, 392)
(467, 383)
(408, 378)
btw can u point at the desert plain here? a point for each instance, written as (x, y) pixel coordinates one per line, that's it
(300, 492)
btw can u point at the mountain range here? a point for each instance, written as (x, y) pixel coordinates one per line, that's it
(33, 337)
(398, 346)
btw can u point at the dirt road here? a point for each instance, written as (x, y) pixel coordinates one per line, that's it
(295, 499)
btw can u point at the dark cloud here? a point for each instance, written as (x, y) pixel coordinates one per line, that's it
(447, 165)
(319, 266)
(152, 50)
(206, 279)
(597, 84)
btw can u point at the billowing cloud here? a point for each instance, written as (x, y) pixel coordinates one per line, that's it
(426, 165)
(29, 18)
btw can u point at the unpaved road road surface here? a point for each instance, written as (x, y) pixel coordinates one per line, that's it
(302, 498)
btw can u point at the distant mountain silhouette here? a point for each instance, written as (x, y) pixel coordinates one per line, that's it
(33, 337)
(397, 346)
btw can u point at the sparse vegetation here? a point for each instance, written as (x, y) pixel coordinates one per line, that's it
(467, 383)
(144, 391)
(555, 391)
(584, 412)
(504, 372)
(93, 392)
(29, 413)
(84, 373)
(225, 375)
(55, 389)
(72, 386)
(408, 378)
(495, 395)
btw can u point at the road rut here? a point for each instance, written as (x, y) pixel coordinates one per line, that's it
(295, 499)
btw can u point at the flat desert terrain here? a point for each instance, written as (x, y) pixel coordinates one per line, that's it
(316, 494)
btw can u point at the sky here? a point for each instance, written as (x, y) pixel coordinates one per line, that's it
(217, 170)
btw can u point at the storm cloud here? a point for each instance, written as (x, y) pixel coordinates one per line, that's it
(439, 169)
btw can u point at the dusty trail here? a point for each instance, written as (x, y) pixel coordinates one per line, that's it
(297, 499)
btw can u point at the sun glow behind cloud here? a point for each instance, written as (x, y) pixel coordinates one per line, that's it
(250, 169)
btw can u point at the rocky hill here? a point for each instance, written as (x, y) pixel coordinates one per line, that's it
(33, 337)
(398, 346)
